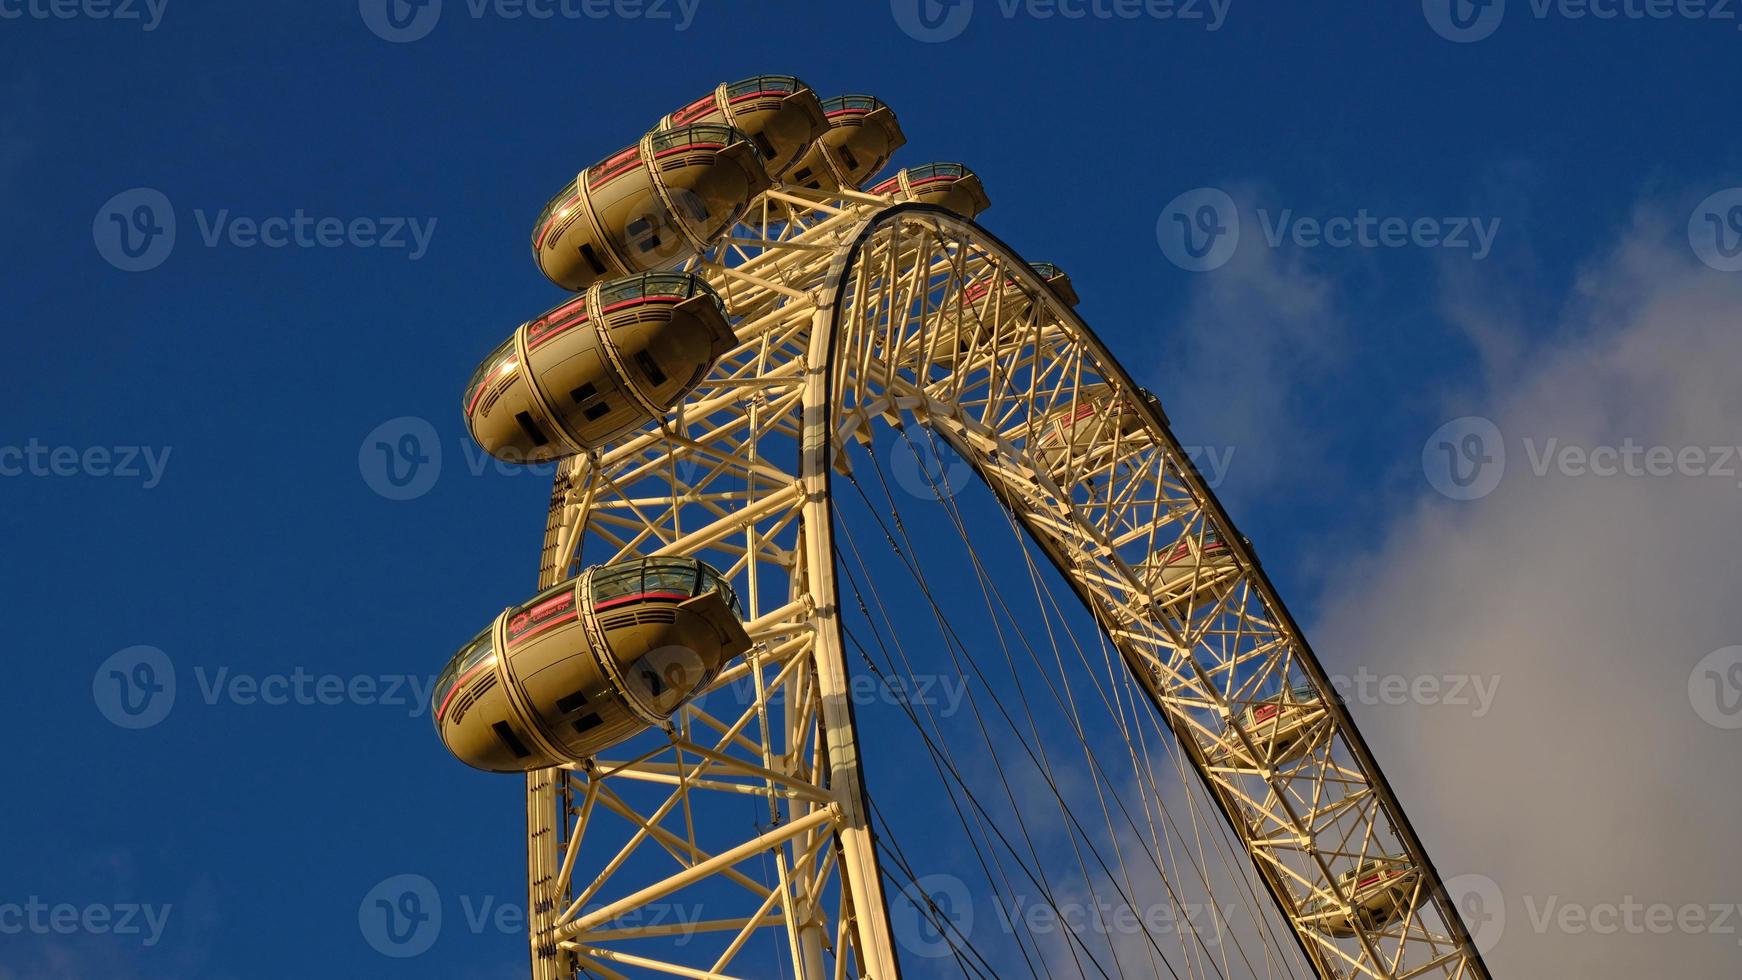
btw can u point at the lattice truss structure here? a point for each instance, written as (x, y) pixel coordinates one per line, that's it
(851, 313)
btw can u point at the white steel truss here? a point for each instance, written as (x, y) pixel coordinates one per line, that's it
(840, 302)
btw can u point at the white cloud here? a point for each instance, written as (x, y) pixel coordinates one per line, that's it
(1593, 781)
(1251, 332)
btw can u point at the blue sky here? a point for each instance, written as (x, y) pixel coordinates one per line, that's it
(252, 540)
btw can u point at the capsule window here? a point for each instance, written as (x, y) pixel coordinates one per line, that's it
(649, 367)
(642, 234)
(592, 258)
(533, 432)
(764, 144)
(588, 722)
(596, 411)
(690, 203)
(847, 157)
(584, 392)
(511, 740)
(571, 703)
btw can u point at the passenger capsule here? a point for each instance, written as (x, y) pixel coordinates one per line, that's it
(584, 665)
(862, 136)
(1282, 730)
(985, 311)
(1078, 432)
(947, 185)
(779, 113)
(601, 365)
(649, 206)
(1380, 892)
(1194, 567)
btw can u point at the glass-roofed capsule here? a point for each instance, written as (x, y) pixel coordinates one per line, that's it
(862, 136)
(985, 312)
(1282, 729)
(1192, 568)
(779, 113)
(601, 365)
(533, 690)
(1082, 431)
(649, 206)
(947, 185)
(1380, 892)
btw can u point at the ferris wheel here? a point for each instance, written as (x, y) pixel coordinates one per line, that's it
(719, 575)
